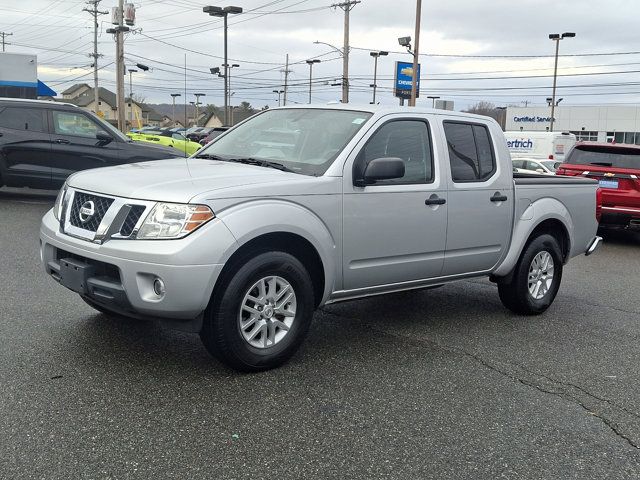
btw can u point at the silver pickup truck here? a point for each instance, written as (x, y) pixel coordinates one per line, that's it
(300, 207)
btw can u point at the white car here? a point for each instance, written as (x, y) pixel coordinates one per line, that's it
(546, 167)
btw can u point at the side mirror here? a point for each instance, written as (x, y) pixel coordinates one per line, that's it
(103, 137)
(381, 169)
(540, 170)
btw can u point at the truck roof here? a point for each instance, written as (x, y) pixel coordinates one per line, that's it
(37, 102)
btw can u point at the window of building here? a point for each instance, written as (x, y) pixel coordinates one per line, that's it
(31, 119)
(586, 136)
(470, 152)
(632, 138)
(405, 139)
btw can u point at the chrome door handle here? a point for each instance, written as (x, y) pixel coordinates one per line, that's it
(62, 140)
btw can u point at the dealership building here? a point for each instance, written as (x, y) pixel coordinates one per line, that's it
(597, 123)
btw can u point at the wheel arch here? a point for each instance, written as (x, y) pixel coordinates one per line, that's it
(281, 241)
(549, 216)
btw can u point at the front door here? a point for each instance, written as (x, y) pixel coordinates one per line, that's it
(480, 200)
(395, 230)
(75, 146)
(25, 148)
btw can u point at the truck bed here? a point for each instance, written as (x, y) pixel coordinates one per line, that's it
(540, 179)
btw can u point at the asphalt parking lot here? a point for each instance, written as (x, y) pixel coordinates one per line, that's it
(436, 384)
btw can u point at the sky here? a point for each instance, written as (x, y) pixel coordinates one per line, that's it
(496, 51)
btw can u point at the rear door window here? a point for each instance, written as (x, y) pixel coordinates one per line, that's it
(605, 156)
(470, 152)
(75, 124)
(28, 119)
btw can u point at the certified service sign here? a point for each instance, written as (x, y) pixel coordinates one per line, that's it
(403, 79)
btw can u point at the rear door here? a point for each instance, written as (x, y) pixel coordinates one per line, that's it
(480, 200)
(25, 147)
(75, 147)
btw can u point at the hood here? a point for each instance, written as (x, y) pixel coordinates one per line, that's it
(176, 180)
(150, 150)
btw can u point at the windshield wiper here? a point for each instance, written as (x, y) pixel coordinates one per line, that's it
(209, 156)
(602, 164)
(260, 163)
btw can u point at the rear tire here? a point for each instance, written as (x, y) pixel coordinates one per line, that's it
(536, 278)
(261, 312)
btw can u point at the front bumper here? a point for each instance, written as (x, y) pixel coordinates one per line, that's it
(120, 274)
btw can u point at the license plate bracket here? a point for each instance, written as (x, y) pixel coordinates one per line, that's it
(606, 183)
(74, 274)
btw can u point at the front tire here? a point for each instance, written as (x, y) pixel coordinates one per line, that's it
(536, 278)
(261, 313)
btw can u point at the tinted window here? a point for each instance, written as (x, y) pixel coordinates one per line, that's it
(76, 124)
(470, 152)
(406, 139)
(605, 156)
(31, 119)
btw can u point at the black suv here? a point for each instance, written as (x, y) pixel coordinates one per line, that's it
(42, 143)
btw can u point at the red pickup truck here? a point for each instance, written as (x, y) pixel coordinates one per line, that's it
(617, 169)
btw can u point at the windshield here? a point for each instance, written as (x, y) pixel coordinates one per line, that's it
(613, 156)
(305, 141)
(550, 164)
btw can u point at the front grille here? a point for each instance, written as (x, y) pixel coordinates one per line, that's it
(100, 206)
(130, 222)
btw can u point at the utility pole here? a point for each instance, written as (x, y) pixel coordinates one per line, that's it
(286, 79)
(5, 34)
(346, 6)
(94, 13)
(416, 53)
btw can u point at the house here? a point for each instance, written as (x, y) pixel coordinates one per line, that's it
(75, 90)
(209, 119)
(83, 96)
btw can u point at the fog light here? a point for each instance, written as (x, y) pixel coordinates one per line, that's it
(158, 287)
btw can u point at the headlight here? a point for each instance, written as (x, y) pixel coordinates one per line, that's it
(57, 207)
(173, 220)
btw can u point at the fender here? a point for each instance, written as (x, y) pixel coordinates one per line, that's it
(534, 215)
(253, 218)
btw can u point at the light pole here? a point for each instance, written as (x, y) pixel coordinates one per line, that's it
(310, 63)
(131, 72)
(345, 72)
(433, 100)
(198, 95)
(235, 65)
(224, 13)
(556, 37)
(173, 101)
(375, 56)
(279, 92)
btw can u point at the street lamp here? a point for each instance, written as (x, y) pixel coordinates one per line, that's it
(235, 65)
(310, 63)
(556, 37)
(433, 100)
(375, 56)
(345, 69)
(173, 101)
(224, 13)
(198, 95)
(279, 92)
(131, 72)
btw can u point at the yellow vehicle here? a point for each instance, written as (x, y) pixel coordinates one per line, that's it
(166, 138)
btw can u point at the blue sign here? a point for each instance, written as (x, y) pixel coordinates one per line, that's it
(403, 79)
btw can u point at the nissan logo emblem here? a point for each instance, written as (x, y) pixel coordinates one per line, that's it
(87, 210)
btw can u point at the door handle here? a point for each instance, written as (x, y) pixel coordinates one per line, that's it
(61, 140)
(498, 197)
(435, 200)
